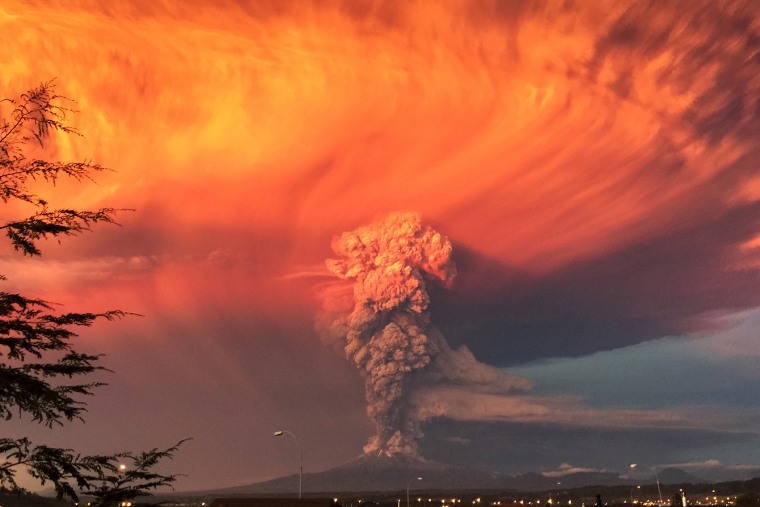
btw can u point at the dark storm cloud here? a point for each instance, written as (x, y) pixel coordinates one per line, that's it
(677, 283)
(518, 448)
(679, 279)
(717, 56)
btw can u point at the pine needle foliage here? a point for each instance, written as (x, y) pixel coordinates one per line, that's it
(41, 375)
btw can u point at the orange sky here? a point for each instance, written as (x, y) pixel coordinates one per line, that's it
(546, 139)
(316, 120)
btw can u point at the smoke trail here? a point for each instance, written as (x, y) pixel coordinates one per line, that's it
(388, 331)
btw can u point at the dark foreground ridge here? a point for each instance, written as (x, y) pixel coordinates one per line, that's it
(272, 502)
(395, 473)
(722, 494)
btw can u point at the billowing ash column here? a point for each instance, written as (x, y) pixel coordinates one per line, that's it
(387, 332)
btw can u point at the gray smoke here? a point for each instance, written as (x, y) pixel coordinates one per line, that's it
(388, 333)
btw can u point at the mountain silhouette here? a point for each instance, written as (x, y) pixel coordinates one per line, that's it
(397, 472)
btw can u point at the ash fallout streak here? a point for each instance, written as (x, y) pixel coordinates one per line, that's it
(386, 324)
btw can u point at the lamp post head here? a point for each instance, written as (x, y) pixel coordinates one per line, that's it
(409, 482)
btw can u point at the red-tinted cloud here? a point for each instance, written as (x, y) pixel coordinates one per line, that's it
(593, 163)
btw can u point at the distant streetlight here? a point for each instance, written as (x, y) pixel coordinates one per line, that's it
(300, 457)
(407, 488)
(637, 487)
(656, 478)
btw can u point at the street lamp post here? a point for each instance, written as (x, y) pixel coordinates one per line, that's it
(656, 478)
(300, 456)
(637, 487)
(407, 488)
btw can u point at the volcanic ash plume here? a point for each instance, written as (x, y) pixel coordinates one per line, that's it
(388, 331)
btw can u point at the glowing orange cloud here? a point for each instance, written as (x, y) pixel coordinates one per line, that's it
(317, 119)
(541, 138)
(537, 136)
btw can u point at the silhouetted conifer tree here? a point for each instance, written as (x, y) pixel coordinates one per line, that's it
(40, 371)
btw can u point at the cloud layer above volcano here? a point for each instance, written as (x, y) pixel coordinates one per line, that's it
(593, 165)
